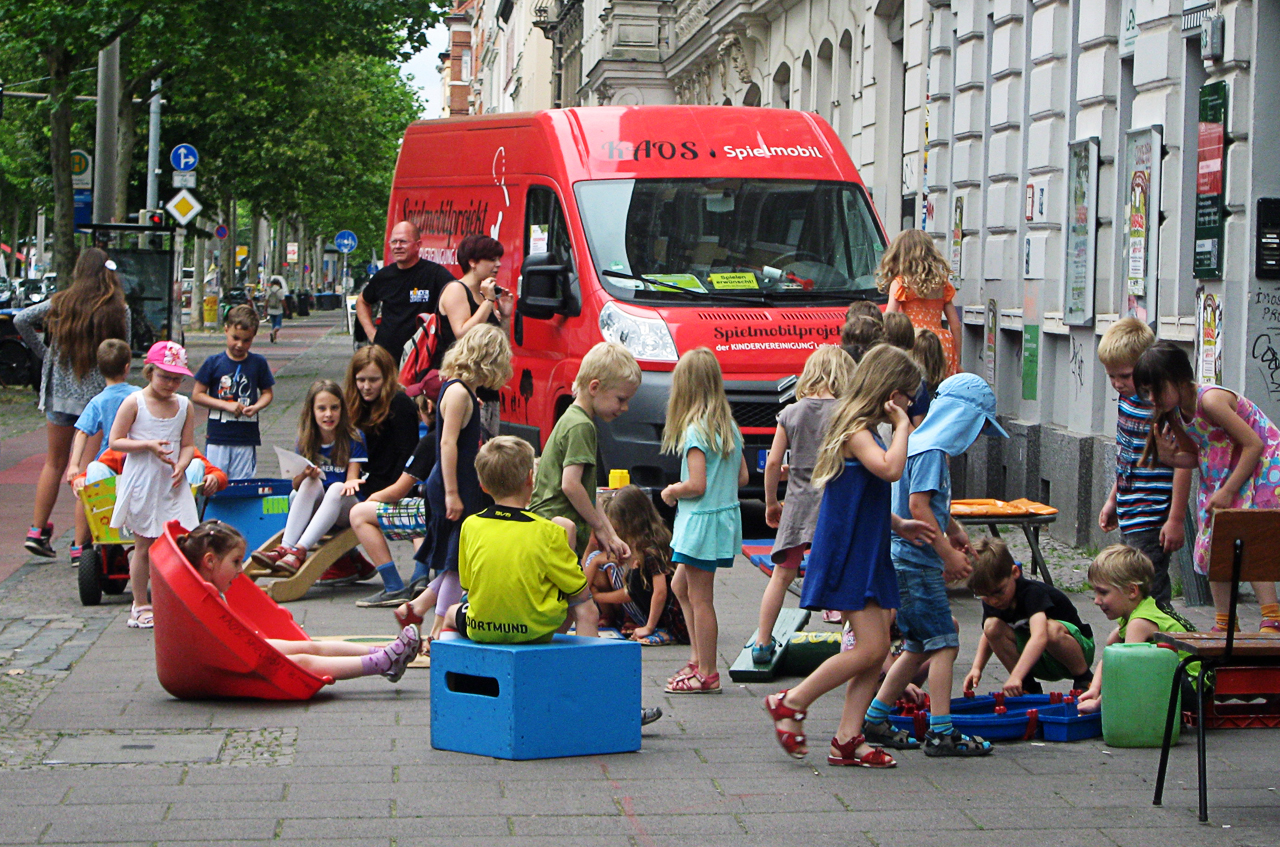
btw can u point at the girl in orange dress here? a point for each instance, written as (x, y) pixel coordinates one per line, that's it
(918, 280)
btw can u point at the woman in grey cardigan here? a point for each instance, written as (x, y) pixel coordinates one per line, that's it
(75, 321)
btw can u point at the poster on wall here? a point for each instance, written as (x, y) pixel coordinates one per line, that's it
(957, 237)
(993, 328)
(1142, 169)
(1082, 227)
(1211, 163)
(1030, 361)
(1208, 338)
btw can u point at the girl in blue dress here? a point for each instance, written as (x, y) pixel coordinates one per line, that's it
(708, 527)
(849, 566)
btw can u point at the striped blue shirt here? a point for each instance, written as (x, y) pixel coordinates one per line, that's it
(1142, 494)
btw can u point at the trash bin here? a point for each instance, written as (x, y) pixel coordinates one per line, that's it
(304, 304)
(210, 310)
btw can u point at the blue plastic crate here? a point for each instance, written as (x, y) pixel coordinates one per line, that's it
(1070, 725)
(571, 697)
(256, 507)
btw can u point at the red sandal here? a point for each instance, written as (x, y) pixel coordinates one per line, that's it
(695, 683)
(877, 758)
(690, 668)
(792, 742)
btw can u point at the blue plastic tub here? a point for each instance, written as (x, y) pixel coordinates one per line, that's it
(976, 716)
(256, 507)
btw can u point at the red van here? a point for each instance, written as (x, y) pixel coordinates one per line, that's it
(665, 228)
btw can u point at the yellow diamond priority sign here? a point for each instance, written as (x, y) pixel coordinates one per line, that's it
(184, 207)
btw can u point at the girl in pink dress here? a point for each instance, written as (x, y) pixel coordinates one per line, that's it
(1235, 445)
(918, 280)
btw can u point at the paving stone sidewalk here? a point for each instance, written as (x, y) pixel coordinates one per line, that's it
(354, 766)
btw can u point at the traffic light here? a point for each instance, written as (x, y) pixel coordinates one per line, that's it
(155, 217)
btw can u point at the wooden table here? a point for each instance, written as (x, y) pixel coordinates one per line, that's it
(1030, 523)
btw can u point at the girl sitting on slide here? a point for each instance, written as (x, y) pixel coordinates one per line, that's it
(216, 551)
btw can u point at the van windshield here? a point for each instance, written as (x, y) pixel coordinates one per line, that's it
(750, 238)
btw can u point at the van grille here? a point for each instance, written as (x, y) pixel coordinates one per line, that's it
(756, 414)
(744, 315)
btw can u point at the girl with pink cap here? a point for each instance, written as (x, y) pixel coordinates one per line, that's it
(156, 429)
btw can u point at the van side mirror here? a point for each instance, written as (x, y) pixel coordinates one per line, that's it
(544, 287)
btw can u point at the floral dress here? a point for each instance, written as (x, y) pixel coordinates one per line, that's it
(927, 314)
(1218, 456)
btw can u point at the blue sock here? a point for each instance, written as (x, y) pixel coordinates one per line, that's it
(878, 712)
(421, 569)
(391, 580)
(941, 724)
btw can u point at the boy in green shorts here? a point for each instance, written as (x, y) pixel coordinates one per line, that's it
(1033, 628)
(565, 485)
(1122, 577)
(522, 579)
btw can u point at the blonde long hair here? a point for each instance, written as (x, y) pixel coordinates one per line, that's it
(828, 369)
(883, 370)
(481, 358)
(697, 399)
(914, 258)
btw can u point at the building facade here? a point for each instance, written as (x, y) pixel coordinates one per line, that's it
(1077, 160)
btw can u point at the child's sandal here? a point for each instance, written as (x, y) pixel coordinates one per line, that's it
(689, 669)
(695, 683)
(141, 617)
(848, 754)
(792, 742)
(1270, 626)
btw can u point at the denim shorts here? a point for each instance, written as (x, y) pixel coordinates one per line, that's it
(61, 418)
(925, 614)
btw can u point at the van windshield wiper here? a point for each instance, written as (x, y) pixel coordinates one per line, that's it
(697, 295)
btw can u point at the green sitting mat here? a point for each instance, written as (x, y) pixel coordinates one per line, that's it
(789, 622)
(807, 650)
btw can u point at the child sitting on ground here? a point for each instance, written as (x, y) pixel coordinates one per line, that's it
(638, 587)
(216, 551)
(1032, 628)
(522, 579)
(1122, 577)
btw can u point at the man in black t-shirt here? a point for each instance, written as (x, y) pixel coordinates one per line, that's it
(407, 287)
(1033, 628)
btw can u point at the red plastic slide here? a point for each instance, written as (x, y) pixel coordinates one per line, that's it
(210, 648)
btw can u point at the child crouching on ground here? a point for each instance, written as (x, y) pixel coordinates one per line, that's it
(1122, 578)
(522, 579)
(1033, 628)
(639, 587)
(216, 550)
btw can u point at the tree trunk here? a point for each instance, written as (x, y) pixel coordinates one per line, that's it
(227, 252)
(126, 141)
(64, 245)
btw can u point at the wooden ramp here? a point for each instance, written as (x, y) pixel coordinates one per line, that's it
(331, 549)
(789, 622)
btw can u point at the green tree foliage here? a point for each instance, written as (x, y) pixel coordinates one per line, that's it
(241, 80)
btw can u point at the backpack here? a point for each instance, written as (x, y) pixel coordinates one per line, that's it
(418, 353)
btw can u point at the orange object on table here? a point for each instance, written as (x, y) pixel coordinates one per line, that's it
(983, 507)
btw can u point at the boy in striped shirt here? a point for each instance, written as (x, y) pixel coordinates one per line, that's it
(1147, 504)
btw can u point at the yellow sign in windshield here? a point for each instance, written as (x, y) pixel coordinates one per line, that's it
(744, 281)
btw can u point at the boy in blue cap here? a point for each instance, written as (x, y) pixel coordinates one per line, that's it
(963, 407)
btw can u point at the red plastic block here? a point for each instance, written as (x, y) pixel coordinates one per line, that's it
(210, 648)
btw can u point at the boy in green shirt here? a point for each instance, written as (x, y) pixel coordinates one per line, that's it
(1121, 578)
(565, 482)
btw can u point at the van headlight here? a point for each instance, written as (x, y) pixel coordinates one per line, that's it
(646, 337)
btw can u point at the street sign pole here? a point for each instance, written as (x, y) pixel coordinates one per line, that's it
(175, 300)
